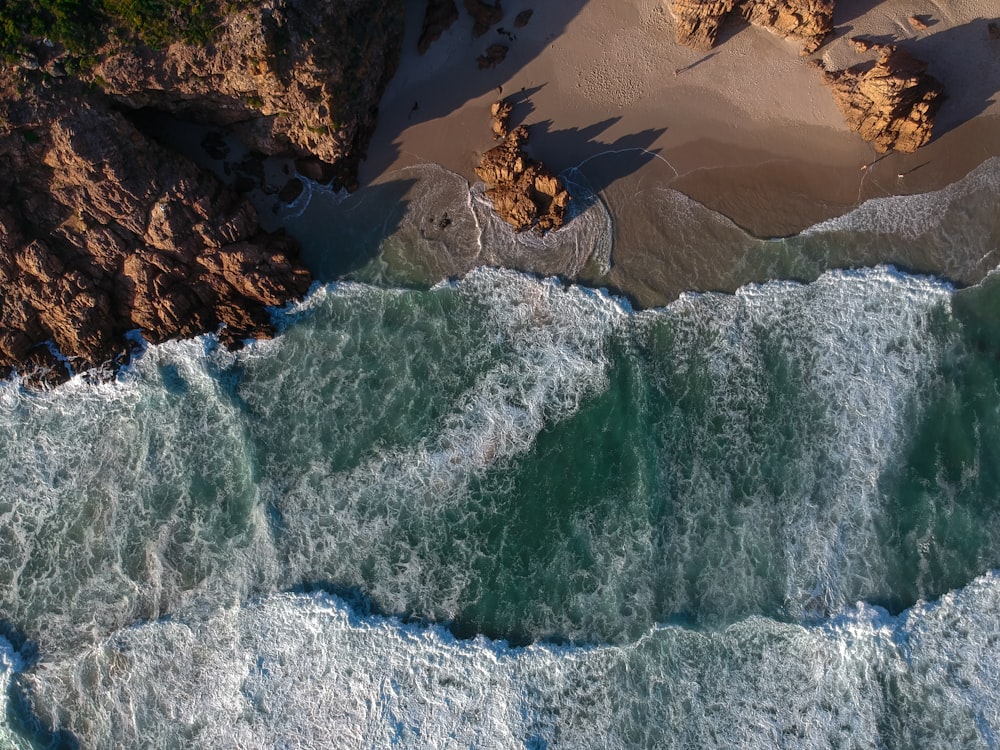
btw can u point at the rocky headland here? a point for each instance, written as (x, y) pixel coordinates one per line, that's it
(103, 230)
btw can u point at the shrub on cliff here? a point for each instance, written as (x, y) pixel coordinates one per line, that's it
(83, 25)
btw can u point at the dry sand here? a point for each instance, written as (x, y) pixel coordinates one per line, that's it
(747, 129)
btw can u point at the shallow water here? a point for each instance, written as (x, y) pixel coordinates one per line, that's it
(508, 512)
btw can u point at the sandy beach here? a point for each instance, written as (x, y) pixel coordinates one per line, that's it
(747, 129)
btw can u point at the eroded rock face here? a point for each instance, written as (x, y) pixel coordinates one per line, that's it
(893, 105)
(104, 231)
(806, 22)
(523, 192)
(299, 77)
(698, 21)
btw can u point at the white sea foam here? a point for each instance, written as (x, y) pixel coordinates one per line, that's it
(811, 391)
(10, 664)
(347, 451)
(540, 351)
(912, 216)
(306, 671)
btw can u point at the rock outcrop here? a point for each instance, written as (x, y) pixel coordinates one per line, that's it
(493, 56)
(484, 15)
(439, 15)
(806, 22)
(295, 77)
(697, 22)
(523, 192)
(893, 104)
(104, 232)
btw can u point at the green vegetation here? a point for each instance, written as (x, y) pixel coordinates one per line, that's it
(82, 25)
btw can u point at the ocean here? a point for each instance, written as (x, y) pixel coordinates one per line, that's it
(509, 511)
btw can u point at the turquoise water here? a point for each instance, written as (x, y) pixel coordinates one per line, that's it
(507, 512)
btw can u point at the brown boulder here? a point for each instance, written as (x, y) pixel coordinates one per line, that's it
(523, 192)
(501, 111)
(493, 56)
(523, 18)
(439, 16)
(300, 78)
(805, 21)
(698, 21)
(484, 15)
(893, 105)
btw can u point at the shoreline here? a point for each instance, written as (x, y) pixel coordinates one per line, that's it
(749, 129)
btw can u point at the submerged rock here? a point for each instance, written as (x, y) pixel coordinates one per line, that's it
(523, 192)
(804, 21)
(893, 105)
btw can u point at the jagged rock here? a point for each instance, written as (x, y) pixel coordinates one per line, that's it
(292, 77)
(523, 192)
(698, 21)
(862, 44)
(438, 18)
(893, 105)
(521, 19)
(493, 56)
(104, 231)
(918, 23)
(501, 111)
(484, 15)
(807, 21)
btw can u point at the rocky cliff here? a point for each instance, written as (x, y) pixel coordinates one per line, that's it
(103, 230)
(300, 77)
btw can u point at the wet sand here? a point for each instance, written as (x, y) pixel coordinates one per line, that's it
(747, 129)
